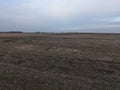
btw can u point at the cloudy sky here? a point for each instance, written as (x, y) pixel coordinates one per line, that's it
(60, 15)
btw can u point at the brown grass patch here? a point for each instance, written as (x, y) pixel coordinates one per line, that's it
(25, 47)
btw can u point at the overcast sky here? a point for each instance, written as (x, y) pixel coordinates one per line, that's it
(60, 15)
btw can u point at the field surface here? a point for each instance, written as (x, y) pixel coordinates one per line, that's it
(59, 61)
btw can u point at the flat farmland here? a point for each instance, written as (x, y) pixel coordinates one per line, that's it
(66, 61)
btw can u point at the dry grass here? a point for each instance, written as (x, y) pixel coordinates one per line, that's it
(59, 62)
(24, 47)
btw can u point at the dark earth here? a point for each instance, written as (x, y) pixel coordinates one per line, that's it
(66, 61)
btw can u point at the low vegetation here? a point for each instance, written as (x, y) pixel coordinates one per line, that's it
(59, 61)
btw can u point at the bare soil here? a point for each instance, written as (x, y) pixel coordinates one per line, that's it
(60, 61)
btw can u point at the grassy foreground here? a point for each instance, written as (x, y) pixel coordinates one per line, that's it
(59, 61)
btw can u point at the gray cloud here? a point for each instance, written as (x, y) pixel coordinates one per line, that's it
(59, 14)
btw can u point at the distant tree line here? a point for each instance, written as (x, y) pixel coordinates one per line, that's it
(12, 32)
